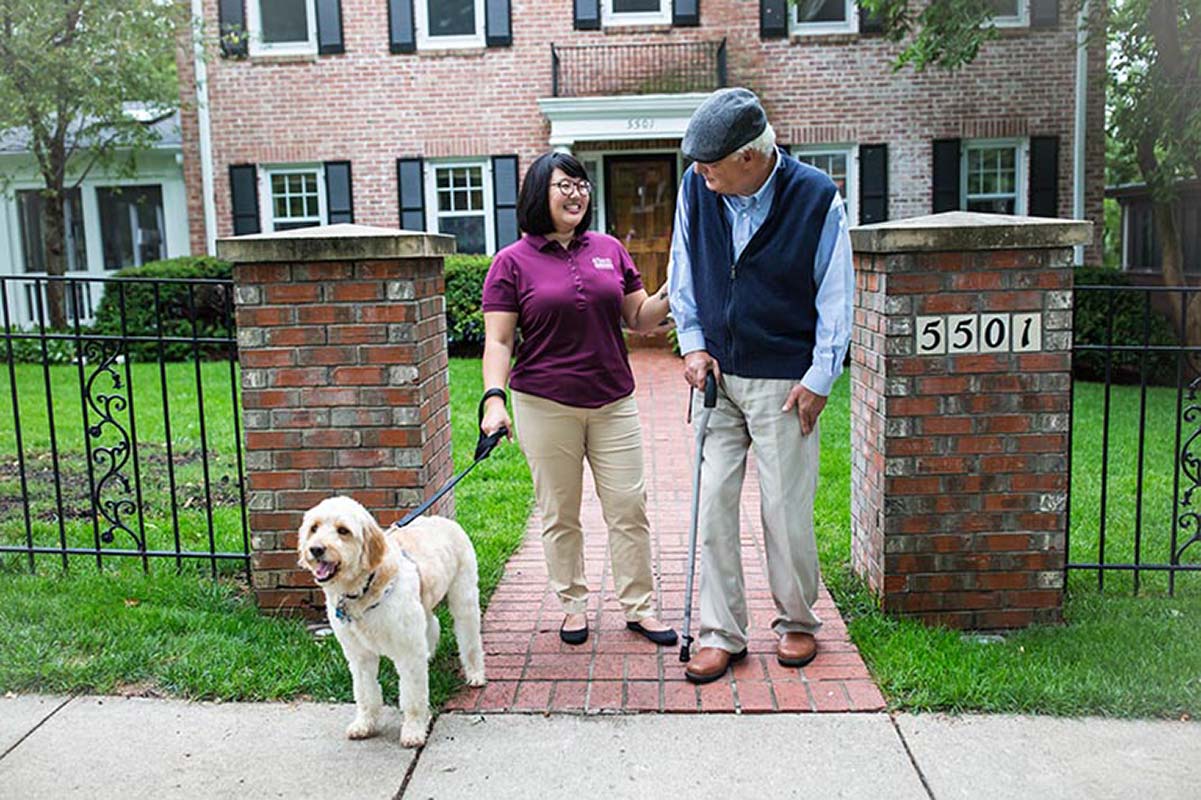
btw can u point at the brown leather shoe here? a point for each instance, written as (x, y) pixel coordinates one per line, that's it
(710, 663)
(796, 649)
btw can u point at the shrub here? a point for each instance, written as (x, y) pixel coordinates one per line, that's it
(1091, 326)
(58, 351)
(464, 290)
(182, 310)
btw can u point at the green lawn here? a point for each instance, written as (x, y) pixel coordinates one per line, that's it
(194, 637)
(1118, 655)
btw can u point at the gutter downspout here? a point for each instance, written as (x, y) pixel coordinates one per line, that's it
(205, 131)
(1079, 123)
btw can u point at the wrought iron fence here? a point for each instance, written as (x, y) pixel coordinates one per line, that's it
(1135, 437)
(121, 438)
(654, 68)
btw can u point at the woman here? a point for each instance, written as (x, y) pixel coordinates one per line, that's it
(568, 290)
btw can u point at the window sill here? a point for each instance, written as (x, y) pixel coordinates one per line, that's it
(451, 52)
(283, 58)
(652, 28)
(832, 37)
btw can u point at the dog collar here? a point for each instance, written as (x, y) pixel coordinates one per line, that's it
(340, 609)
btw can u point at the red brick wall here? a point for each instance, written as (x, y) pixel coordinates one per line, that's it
(371, 107)
(959, 464)
(344, 391)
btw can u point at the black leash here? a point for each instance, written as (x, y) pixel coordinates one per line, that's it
(483, 447)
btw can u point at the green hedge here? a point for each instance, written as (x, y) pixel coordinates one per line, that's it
(182, 310)
(1092, 327)
(464, 290)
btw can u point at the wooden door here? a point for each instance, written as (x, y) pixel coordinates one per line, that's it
(640, 204)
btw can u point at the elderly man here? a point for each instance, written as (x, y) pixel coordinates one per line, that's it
(760, 285)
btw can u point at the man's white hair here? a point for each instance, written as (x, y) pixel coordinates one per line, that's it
(765, 142)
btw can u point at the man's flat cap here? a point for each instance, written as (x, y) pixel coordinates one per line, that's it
(729, 119)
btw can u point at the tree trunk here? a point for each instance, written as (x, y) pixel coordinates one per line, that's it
(54, 230)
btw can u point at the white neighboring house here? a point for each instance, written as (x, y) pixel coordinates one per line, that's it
(112, 221)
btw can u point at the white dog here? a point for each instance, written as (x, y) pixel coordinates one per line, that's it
(380, 592)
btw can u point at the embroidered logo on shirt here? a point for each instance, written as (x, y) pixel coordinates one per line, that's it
(602, 263)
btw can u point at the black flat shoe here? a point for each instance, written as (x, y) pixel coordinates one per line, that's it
(577, 636)
(667, 636)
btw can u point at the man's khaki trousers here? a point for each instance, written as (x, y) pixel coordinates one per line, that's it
(556, 439)
(748, 413)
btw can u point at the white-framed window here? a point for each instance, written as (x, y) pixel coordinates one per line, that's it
(449, 24)
(29, 219)
(842, 165)
(810, 17)
(993, 176)
(1010, 13)
(635, 12)
(458, 201)
(133, 230)
(293, 196)
(282, 27)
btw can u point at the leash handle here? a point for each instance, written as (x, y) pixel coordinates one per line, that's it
(486, 442)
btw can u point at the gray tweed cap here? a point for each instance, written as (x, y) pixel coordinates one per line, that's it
(725, 122)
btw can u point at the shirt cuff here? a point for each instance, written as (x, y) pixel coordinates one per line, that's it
(690, 341)
(818, 381)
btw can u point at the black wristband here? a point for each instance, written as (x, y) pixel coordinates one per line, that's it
(494, 392)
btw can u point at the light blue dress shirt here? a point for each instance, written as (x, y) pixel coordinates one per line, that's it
(834, 275)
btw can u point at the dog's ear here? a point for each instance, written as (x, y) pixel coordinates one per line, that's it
(301, 535)
(375, 544)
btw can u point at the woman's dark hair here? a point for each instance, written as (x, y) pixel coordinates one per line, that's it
(533, 203)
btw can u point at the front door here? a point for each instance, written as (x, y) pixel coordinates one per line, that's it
(640, 204)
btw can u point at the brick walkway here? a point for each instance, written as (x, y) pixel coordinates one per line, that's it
(529, 669)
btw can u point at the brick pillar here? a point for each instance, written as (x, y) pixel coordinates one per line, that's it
(960, 407)
(342, 344)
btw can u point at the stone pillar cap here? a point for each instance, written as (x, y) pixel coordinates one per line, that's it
(345, 242)
(966, 231)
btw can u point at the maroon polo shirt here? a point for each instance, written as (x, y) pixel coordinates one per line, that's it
(568, 305)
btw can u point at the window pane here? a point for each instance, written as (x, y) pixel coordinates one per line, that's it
(131, 225)
(635, 6)
(468, 232)
(1003, 8)
(284, 21)
(999, 205)
(821, 10)
(452, 17)
(29, 214)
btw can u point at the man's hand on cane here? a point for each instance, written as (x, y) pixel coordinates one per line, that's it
(696, 364)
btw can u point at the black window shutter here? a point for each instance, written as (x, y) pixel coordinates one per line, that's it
(504, 199)
(402, 36)
(244, 198)
(773, 19)
(1044, 176)
(587, 15)
(1044, 13)
(412, 193)
(686, 13)
(329, 27)
(339, 199)
(873, 183)
(869, 22)
(231, 16)
(498, 27)
(946, 175)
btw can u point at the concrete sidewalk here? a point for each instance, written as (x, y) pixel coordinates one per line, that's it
(113, 747)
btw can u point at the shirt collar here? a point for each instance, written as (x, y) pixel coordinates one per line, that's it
(542, 243)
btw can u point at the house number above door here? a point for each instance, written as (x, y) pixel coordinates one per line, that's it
(640, 123)
(952, 334)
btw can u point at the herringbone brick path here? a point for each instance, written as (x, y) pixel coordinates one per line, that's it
(529, 669)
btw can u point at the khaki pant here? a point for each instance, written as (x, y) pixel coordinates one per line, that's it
(748, 413)
(556, 439)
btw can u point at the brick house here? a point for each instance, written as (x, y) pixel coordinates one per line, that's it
(424, 113)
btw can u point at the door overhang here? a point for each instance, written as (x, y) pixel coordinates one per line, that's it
(619, 118)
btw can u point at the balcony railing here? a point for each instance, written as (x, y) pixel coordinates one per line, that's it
(664, 68)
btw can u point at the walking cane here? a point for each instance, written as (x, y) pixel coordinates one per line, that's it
(701, 426)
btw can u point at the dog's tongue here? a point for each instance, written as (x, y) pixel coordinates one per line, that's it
(324, 570)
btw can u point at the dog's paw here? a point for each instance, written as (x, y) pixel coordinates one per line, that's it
(412, 734)
(361, 728)
(476, 678)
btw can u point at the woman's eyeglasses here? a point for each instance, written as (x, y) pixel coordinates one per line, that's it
(566, 187)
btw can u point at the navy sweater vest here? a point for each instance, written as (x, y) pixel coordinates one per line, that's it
(759, 313)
